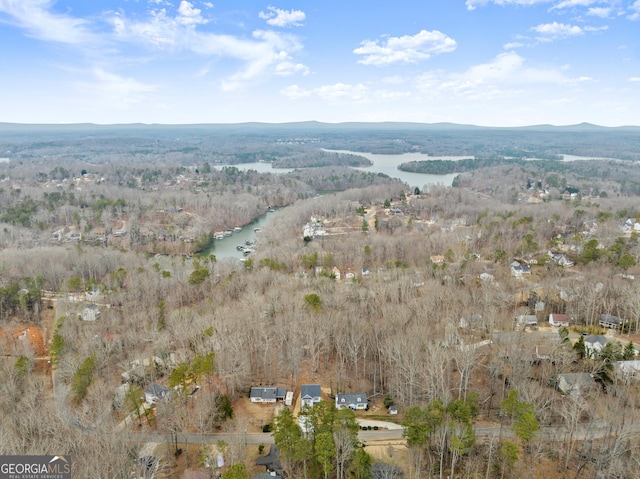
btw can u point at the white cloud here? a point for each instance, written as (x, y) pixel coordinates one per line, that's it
(189, 15)
(283, 18)
(165, 28)
(505, 76)
(512, 45)
(208, 4)
(602, 12)
(405, 49)
(596, 29)
(557, 4)
(266, 52)
(554, 31)
(473, 4)
(634, 11)
(287, 68)
(332, 93)
(573, 3)
(634, 79)
(116, 91)
(385, 95)
(341, 91)
(35, 17)
(294, 92)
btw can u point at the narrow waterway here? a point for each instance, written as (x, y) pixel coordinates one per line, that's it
(227, 247)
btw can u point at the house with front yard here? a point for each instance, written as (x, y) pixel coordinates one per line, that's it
(519, 270)
(352, 401)
(267, 394)
(576, 384)
(611, 322)
(310, 394)
(556, 319)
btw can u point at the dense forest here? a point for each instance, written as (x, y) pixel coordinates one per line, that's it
(414, 296)
(251, 142)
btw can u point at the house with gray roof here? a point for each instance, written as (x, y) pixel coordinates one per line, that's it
(271, 461)
(155, 393)
(593, 344)
(310, 394)
(267, 394)
(611, 322)
(352, 401)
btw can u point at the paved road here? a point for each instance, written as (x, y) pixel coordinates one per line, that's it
(249, 438)
(593, 431)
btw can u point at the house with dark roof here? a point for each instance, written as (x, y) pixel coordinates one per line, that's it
(271, 461)
(519, 270)
(155, 392)
(352, 401)
(611, 322)
(267, 394)
(310, 394)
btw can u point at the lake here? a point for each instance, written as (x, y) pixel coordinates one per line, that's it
(387, 164)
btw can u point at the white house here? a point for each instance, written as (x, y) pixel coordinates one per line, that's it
(267, 394)
(352, 401)
(611, 322)
(593, 345)
(519, 270)
(310, 394)
(335, 272)
(556, 319)
(90, 312)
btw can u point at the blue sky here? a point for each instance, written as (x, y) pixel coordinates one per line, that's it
(483, 62)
